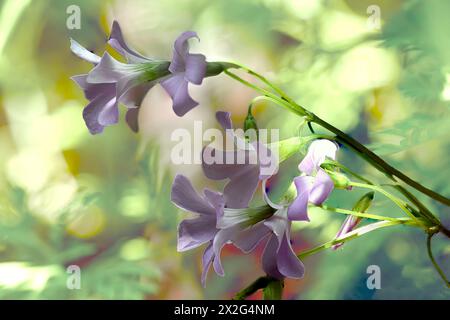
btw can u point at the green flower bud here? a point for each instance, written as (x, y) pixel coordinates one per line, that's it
(340, 180)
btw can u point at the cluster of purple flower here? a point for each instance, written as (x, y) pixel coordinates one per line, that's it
(221, 217)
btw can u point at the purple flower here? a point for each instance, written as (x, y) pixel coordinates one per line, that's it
(111, 82)
(244, 167)
(349, 224)
(193, 233)
(316, 185)
(185, 68)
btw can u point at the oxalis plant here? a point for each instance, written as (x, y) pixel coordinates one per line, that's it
(223, 217)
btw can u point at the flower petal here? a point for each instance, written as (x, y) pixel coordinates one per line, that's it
(298, 210)
(318, 151)
(207, 260)
(177, 88)
(131, 118)
(109, 114)
(180, 52)
(247, 239)
(321, 189)
(83, 53)
(269, 258)
(185, 197)
(222, 237)
(224, 119)
(240, 189)
(287, 262)
(109, 70)
(349, 224)
(117, 41)
(92, 112)
(195, 232)
(195, 68)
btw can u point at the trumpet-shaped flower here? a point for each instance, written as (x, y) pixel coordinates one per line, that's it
(111, 82)
(315, 185)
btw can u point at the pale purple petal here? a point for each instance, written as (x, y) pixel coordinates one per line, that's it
(269, 258)
(222, 237)
(195, 68)
(184, 196)
(321, 189)
(247, 239)
(83, 53)
(109, 70)
(214, 164)
(134, 96)
(240, 189)
(349, 224)
(93, 90)
(278, 223)
(181, 51)
(92, 111)
(195, 232)
(287, 262)
(109, 114)
(224, 119)
(207, 260)
(318, 151)
(131, 118)
(177, 88)
(298, 210)
(117, 41)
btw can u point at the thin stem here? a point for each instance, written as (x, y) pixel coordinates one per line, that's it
(422, 208)
(262, 282)
(259, 283)
(433, 261)
(355, 234)
(400, 203)
(358, 214)
(360, 149)
(348, 170)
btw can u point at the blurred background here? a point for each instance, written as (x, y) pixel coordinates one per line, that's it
(379, 70)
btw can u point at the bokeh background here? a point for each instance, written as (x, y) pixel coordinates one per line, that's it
(102, 202)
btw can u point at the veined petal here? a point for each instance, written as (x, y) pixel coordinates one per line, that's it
(177, 87)
(195, 68)
(298, 210)
(321, 189)
(117, 41)
(195, 232)
(83, 53)
(185, 197)
(93, 90)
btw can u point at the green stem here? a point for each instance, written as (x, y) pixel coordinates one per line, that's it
(400, 203)
(262, 282)
(360, 149)
(433, 261)
(355, 234)
(358, 214)
(346, 169)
